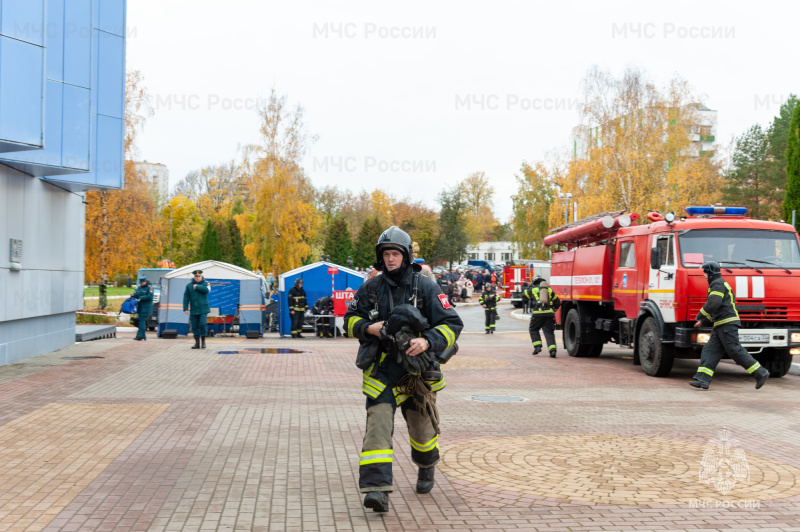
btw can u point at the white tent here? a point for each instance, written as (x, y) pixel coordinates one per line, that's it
(234, 291)
(213, 269)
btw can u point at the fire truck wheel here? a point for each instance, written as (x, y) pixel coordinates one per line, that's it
(777, 361)
(576, 347)
(655, 357)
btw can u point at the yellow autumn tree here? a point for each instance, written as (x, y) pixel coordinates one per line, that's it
(187, 230)
(479, 197)
(532, 213)
(123, 229)
(283, 223)
(637, 146)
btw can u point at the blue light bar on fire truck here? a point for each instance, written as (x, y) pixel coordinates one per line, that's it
(716, 210)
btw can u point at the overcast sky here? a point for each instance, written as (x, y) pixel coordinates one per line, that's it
(413, 96)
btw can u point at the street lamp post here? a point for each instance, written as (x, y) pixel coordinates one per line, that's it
(170, 228)
(566, 196)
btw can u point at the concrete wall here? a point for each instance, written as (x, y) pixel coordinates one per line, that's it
(37, 303)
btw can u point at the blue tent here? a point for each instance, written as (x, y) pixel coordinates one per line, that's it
(317, 284)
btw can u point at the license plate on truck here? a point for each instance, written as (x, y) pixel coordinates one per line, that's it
(754, 338)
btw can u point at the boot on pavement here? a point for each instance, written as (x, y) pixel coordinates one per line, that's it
(196, 343)
(537, 350)
(552, 353)
(203, 342)
(761, 376)
(425, 479)
(378, 501)
(703, 385)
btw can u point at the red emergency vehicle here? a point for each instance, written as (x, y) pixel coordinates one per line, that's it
(514, 275)
(641, 286)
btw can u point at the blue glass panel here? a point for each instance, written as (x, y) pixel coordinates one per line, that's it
(51, 154)
(21, 88)
(109, 154)
(78, 43)
(77, 128)
(23, 20)
(111, 17)
(111, 75)
(54, 40)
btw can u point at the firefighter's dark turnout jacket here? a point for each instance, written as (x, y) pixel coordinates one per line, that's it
(297, 303)
(720, 311)
(381, 379)
(542, 319)
(720, 308)
(490, 299)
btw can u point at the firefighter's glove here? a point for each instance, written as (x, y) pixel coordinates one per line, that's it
(417, 364)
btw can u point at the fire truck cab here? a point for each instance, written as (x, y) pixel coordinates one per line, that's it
(641, 286)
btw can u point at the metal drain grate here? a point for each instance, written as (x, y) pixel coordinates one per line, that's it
(264, 350)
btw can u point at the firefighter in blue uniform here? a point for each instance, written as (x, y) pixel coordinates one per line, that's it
(364, 319)
(544, 303)
(297, 307)
(488, 301)
(195, 304)
(720, 311)
(144, 293)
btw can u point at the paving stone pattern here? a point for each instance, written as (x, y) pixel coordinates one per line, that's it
(155, 436)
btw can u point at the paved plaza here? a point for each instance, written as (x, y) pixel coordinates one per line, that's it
(156, 436)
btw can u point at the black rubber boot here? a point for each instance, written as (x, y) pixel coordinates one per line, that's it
(487, 331)
(203, 342)
(378, 501)
(703, 385)
(761, 376)
(425, 479)
(537, 350)
(552, 353)
(196, 343)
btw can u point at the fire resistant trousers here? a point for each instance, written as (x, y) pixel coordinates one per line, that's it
(375, 466)
(724, 339)
(491, 315)
(199, 323)
(297, 321)
(547, 323)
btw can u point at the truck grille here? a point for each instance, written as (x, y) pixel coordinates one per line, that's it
(156, 297)
(755, 310)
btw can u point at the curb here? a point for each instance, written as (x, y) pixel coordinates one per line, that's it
(518, 315)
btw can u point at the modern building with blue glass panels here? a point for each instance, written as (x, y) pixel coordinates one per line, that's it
(62, 127)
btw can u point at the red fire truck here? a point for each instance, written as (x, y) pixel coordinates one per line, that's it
(641, 286)
(516, 274)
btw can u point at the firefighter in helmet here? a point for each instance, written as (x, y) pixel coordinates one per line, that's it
(297, 307)
(488, 301)
(544, 303)
(388, 368)
(720, 311)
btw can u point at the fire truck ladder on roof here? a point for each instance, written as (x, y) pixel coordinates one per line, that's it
(582, 221)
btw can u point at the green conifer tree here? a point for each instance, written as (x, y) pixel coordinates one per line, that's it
(210, 250)
(237, 249)
(338, 243)
(792, 201)
(364, 252)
